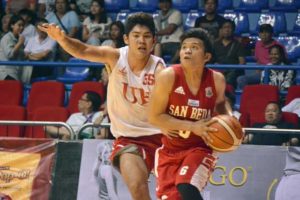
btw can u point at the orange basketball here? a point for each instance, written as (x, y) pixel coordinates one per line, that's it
(229, 135)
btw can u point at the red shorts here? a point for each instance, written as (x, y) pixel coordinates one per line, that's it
(144, 146)
(193, 166)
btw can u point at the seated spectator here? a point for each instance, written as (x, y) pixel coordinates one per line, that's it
(67, 20)
(116, 32)
(40, 48)
(293, 106)
(211, 21)
(228, 50)
(96, 25)
(262, 48)
(45, 7)
(14, 6)
(169, 25)
(273, 120)
(29, 29)
(88, 106)
(11, 48)
(281, 78)
(4, 25)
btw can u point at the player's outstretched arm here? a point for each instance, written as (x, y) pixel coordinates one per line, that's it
(78, 49)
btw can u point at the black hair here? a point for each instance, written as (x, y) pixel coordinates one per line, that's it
(266, 28)
(120, 41)
(216, 2)
(102, 15)
(40, 20)
(28, 13)
(283, 57)
(162, 1)
(201, 35)
(276, 103)
(142, 19)
(95, 98)
(14, 19)
(230, 22)
(67, 6)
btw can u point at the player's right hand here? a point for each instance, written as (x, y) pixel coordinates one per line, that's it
(53, 31)
(202, 129)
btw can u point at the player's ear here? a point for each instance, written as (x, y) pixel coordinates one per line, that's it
(125, 37)
(207, 57)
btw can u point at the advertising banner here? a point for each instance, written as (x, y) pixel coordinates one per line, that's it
(251, 172)
(25, 168)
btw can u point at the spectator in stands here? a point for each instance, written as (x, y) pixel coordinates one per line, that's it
(273, 120)
(228, 50)
(14, 6)
(281, 78)
(4, 25)
(293, 106)
(169, 25)
(67, 20)
(211, 21)
(40, 48)
(45, 7)
(116, 32)
(11, 48)
(29, 18)
(262, 48)
(88, 106)
(96, 25)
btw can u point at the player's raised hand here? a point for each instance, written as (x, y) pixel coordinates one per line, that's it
(53, 31)
(202, 129)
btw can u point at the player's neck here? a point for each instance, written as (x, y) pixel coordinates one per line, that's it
(137, 65)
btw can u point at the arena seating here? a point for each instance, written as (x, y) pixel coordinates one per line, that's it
(145, 6)
(225, 5)
(276, 19)
(253, 5)
(116, 5)
(293, 92)
(285, 5)
(240, 19)
(11, 92)
(185, 5)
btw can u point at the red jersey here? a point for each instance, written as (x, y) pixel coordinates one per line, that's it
(184, 105)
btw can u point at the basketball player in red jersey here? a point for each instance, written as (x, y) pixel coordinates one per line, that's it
(133, 70)
(183, 101)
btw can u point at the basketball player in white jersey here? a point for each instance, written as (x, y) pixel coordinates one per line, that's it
(133, 70)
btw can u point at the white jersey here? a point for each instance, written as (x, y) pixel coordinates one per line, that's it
(128, 97)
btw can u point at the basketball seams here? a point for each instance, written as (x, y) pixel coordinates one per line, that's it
(236, 141)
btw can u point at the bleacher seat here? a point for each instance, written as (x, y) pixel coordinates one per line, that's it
(296, 27)
(45, 93)
(225, 5)
(51, 114)
(74, 74)
(253, 5)
(185, 5)
(292, 46)
(285, 5)
(276, 19)
(191, 19)
(116, 5)
(78, 90)
(11, 92)
(122, 16)
(293, 92)
(11, 112)
(145, 6)
(254, 100)
(240, 19)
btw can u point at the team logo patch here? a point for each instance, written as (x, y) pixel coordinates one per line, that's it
(208, 92)
(193, 103)
(179, 90)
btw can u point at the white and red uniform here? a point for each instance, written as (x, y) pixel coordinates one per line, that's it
(127, 99)
(188, 160)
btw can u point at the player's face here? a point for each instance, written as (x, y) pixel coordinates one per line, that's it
(272, 113)
(192, 52)
(140, 41)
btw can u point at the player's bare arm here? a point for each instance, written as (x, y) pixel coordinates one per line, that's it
(158, 106)
(78, 49)
(222, 106)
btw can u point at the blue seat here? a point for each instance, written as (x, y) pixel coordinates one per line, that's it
(285, 5)
(276, 19)
(116, 5)
(145, 6)
(225, 5)
(122, 16)
(292, 46)
(296, 28)
(240, 19)
(185, 5)
(74, 74)
(253, 5)
(191, 19)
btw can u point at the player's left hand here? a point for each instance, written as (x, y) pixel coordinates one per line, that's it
(170, 133)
